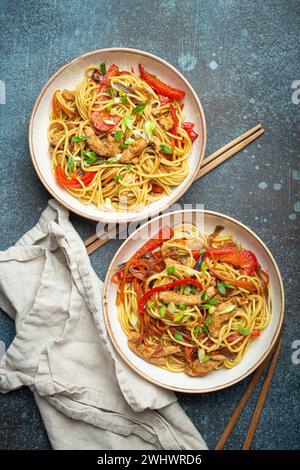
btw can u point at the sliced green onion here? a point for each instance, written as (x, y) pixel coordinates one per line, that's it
(244, 331)
(127, 122)
(123, 146)
(166, 149)
(162, 311)
(229, 308)
(149, 128)
(110, 91)
(118, 136)
(203, 266)
(229, 286)
(124, 99)
(129, 141)
(70, 164)
(115, 159)
(109, 122)
(187, 290)
(171, 269)
(211, 309)
(171, 307)
(221, 287)
(202, 251)
(79, 138)
(178, 317)
(212, 302)
(203, 295)
(197, 330)
(178, 336)
(109, 107)
(118, 176)
(186, 318)
(103, 68)
(128, 166)
(208, 320)
(182, 307)
(202, 355)
(206, 330)
(139, 108)
(117, 100)
(151, 304)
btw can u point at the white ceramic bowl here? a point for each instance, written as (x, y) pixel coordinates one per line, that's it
(69, 76)
(258, 349)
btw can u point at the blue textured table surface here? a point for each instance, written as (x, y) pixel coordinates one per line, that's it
(242, 58)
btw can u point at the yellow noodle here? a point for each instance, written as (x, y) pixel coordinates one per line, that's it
(129, 185)
(253, 314)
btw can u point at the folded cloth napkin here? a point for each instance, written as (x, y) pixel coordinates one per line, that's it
(88, 397)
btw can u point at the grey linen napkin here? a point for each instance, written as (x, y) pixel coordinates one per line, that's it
(88, 397)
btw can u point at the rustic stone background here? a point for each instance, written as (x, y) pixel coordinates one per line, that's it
(242, 58)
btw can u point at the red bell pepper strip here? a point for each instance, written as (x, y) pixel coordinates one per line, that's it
(98, 120)
(159, 86)
(255, 333)
(164, 287)
(175, 120)
(73, 182)
(113, 71)
(164, 234)
(189, 128)
(234, 282)
(156, 188)
(244, 259)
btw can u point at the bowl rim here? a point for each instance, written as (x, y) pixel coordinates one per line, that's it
(180, 389)
(34, 159)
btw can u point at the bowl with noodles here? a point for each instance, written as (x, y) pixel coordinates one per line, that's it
(193, 301)
(117, 135)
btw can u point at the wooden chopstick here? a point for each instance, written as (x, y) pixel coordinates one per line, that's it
(94, 242)
(231, 144)
(208, 164)
(238, 410)
(243, 401)
(262, 398)
(212, 162)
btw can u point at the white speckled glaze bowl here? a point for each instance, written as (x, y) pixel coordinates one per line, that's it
(258, 349)
(69, 76)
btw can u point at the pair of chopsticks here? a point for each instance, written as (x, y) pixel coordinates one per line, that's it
(94, 242)
(260, 402)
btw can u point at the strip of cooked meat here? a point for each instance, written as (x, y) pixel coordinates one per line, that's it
(180, 260)
(218, 318)
(135, 149)
(199, 369)
(166, 122)
(169, 296)
(106, 147)
(148, 352)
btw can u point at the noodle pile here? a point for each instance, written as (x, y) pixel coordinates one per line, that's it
(196, 338)
(115, 185)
